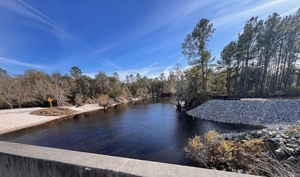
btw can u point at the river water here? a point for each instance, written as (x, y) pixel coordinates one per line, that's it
(148, 130)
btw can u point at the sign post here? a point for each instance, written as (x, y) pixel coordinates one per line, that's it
(50, 101)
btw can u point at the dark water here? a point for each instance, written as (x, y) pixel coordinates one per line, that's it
(150, 130)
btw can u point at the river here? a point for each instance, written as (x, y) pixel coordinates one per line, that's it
(148, 130)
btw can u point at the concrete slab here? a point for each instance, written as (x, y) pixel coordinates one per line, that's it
(42, 161)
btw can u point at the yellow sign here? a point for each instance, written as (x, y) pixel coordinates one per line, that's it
(50, 99)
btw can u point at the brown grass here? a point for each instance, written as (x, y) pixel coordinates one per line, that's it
(53, 112)
(251, 156)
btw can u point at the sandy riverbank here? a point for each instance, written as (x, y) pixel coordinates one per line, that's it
(15, 119)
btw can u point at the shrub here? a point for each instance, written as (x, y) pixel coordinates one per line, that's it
(211, 136)
(201, 150)
(195, 151)
(53, 112)
(216, 152)
(249, 156)
(104, 100)
(293, 130)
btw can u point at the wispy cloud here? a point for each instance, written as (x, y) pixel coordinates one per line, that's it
(107, 62)
(289, 12)
(8, 61)
(171, 67)
(158, 19)
(22, 8)
(150, 72)
(246, 12)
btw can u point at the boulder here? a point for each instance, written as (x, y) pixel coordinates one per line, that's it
(292, 145)
(280, 154)
(292, 159)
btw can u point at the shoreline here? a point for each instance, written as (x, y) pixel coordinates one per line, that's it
(20, 118)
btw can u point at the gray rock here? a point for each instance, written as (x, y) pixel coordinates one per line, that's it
(240, 171)
(248, 137)
(297, 151)
(292, 159)
(254, 112)
(292, 145)
(282, 140)
(264, 131)
(287, 149)
(284, 136)
(293, 140)
(280, 154)
(259, 133)
(243, 141)
(274, 140)
(252, 133)
(277, 136)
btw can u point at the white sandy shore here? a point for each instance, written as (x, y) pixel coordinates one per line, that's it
(15, 119)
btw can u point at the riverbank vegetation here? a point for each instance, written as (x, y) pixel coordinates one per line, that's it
(258, 153)
(56, 111)
(33, 88)
(262, 62)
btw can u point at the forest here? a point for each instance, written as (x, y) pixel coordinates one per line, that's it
(264, 61)
(33, 88)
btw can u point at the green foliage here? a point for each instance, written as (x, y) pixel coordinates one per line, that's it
(263, 61)
(34, 87)
(293, 130)
(195, 48)
(76, 72)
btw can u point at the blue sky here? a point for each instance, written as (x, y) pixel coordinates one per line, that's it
(123, 36)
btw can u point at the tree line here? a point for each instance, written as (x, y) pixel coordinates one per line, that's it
(264, 61)
(33, 88)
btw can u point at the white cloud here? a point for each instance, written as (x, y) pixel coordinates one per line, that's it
(8, 61)
(46, 23)
(163, 17)
(24, 9)
(149, 72)
(106, 62)
(246, 12)
(171, 67)
(289, 12)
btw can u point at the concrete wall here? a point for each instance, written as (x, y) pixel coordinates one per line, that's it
(20, 160)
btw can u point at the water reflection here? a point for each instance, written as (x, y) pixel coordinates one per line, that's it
(149, 130)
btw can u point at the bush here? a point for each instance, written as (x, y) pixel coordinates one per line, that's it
(104, 100)
(215, 151)
(200, 150)
(53, 112)
(195, 151)
(248, 156)
(293, 130)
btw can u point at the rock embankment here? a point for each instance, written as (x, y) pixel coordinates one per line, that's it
(252, 112)
(283, 142)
